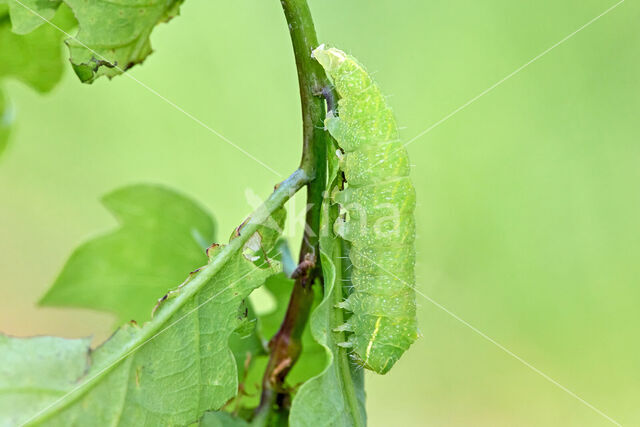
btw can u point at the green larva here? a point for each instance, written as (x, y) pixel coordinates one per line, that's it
(378, 205)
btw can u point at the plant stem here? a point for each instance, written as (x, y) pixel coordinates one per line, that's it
(286, 344)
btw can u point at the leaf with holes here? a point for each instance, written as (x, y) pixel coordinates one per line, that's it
(308, 365)
(114, 36)
(166, 372)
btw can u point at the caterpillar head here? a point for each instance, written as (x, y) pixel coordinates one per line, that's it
(329, 58)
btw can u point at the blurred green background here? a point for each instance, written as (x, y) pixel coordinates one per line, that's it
(529, 207)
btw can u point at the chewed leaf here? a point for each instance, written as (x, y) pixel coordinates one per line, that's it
(114, 36)
(159, 241)
(170, 371)
(253, 247)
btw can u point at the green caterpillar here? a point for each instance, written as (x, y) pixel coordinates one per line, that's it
(377, 206)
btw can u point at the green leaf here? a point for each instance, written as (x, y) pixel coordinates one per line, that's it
(335, 397)
(6, 119)
(28, 364)
(162, 235)
(27, 15)
(279, 286)
(246, 343)
(221, 419)
(34, 58)
(309, 364)
(167, 372)
(114, 36)
(172, 379)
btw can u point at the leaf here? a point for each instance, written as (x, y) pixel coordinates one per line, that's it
(279, 286)
(162, 235)
(246, 344)
(168, 372)
(335, 397)
(222, 419)
(34, 58)
(26, 364)
(6, 119)
(27, 15)
(114, 36)
(312, 357)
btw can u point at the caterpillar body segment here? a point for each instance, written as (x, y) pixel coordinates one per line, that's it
(377, 206)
